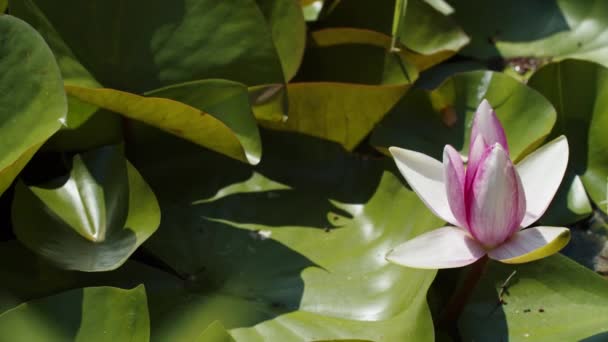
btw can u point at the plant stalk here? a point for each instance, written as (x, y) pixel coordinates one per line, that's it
(460, 298)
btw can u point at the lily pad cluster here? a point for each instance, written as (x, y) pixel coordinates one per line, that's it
(203, 170)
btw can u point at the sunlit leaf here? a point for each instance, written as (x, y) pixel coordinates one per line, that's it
(339, 112)
(292, 250)
(213, 113)
(89, 314)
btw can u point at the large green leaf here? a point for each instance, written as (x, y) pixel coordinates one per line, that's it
(212, 113)
(427, 120)
(288, 28)
(339, 112)
(174, 42)
(32, 100)
(554, 29)
(292, 250)
(578, 91)
(89, 314)
(91, 220)
(553, 299)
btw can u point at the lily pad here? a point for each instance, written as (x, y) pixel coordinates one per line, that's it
(425, 121)
(91, 220)
(292, 250)
(32, 99)
(173, 42)
(554, 29)
(89, 314)
(577, 90)
(548, 300)
(338, 112)
(212, 113)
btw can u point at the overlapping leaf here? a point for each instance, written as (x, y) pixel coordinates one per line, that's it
(91, 220)
(339, 112)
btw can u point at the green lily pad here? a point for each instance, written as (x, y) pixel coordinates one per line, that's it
(212, 113)
(91, 220)
(339, 112)
(292, 250)
(288, 28)
(577, 90)
(425, 121)
(32, 100)
(89, 314)
(555, 29)
(173, 42)
(548, 300)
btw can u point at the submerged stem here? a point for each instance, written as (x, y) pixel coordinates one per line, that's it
(461, 296)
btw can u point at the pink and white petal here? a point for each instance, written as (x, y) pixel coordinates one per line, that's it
(446, 247)
(476, 152)
(496, 202)
(541, 173)
(487, 125)
(454, 183)
(426, 177)
(531, 244)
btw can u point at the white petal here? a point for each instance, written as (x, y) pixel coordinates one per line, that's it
(445, 247)
(531, 244)
(541, 172)
(426, 177)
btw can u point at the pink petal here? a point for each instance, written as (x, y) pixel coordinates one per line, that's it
(426, 177)
(496, 201)
(531, 244)
(476, 151)
(445, 247)
(487, 125)
(454, 183)
(541, 174)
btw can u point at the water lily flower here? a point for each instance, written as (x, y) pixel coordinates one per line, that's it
(488, 202)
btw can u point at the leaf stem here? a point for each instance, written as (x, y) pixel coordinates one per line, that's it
(459, 299)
